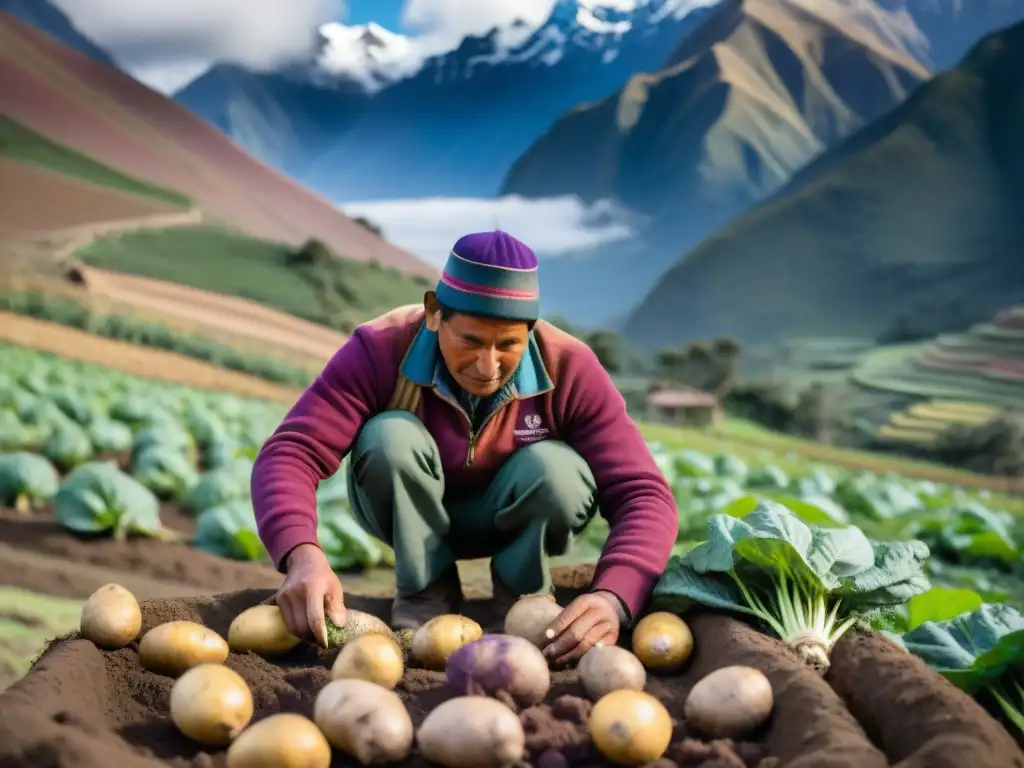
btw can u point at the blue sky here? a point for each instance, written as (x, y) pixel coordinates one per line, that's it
(386, 13)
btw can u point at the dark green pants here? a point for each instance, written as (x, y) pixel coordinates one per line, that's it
(538, 501)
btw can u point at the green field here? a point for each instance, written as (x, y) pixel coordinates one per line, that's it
(20, 143)
(27, 621)
(338, 293)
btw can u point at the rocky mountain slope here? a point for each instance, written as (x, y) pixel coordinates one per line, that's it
(761, 88)
(371, 127)
(914, 221)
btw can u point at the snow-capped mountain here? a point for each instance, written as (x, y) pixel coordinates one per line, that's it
(377, 115)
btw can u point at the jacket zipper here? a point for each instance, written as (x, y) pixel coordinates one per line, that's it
(471, 454)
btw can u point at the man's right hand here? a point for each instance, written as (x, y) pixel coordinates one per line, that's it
(310, 590)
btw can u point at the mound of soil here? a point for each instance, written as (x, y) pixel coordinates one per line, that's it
(80, 707)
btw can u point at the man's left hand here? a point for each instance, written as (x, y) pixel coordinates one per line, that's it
(588, 620)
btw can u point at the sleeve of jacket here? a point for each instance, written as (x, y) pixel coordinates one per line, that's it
(309, 444)
(633, 494)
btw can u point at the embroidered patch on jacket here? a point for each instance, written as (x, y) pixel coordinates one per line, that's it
(532, 430)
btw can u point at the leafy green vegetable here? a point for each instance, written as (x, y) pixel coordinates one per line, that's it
(165, 471)
(230, 531)
(219, 486)
(809, 584)
(109, 436)
(982, 650)
(346, 544)
(68, 445)
(98, 497)
(26, 481)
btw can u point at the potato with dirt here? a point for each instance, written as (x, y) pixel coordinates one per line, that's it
(436, 640)
(607, 668)
(364, 720)
(531, 616)
(375, 658)
(211, 704)
(111, 617)
(662, 641)
(175, 646)
(630, 727)
(508, 668)
(472, 732)
(729, 703)
(356, 625)
(284, 740)
(261, 630)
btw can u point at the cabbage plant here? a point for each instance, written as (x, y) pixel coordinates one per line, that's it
(229, 530)
(809, 584)
(98, 498)
(978, 651)
(27, 481)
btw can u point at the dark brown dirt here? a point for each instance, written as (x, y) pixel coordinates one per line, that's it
(920, 719)
(138, 558)
(84, 708)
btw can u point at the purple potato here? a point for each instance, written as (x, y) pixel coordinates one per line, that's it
(508, 668)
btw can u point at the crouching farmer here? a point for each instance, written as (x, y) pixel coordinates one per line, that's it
(473, 430)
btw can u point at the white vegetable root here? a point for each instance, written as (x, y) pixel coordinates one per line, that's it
(111, 617)
(211, 704)
(729, 703)
(530, 617)
(173, 647)
(472, 732)
(375, 658)
(607, 668)
(261, 629)
(364, 720)
(435, 641)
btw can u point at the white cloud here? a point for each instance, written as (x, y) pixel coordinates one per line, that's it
(445, 22)
(553, 226)
(167, 42)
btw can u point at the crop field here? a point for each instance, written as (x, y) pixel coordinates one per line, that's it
(983, 365)
(106, 477)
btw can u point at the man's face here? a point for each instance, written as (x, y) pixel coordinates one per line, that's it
(481, 353)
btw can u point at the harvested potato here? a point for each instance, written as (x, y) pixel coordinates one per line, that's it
(364, 720)
(357, 624)
(530, 618)
(662, 641)
(472, 732)
(261, 629)
(607, 668)
(630, 727)
(435, 641)
(111, 617)
(509, 668)
(285, 740)
(376, 658)
(729, 703)
(171, 648)
(211, 704)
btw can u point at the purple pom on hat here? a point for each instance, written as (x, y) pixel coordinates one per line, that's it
(491, 274)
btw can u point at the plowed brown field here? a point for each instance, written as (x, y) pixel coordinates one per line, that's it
(34, 199)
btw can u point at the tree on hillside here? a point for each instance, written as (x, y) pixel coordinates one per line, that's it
(365, 223)
(605, 345)
(712, 368)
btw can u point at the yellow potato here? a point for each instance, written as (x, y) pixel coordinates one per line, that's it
(436, 640)
(211, 704)
(375, 658)
(261, 629)
(285, 740)
(173, 647)
(111, 617)
(630, 727)
(662, 641)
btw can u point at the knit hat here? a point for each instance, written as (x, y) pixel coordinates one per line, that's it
(491, 274)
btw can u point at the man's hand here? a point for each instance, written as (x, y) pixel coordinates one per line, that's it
(310, 590)
(588, 620)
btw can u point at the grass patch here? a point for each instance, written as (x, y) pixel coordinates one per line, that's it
(27, 622)
(20, 143)
(66, 311)
(331, 291)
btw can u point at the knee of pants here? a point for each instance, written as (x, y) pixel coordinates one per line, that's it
(395, 441)
(567, 491)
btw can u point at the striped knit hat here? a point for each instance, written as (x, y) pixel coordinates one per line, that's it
(491, 274)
